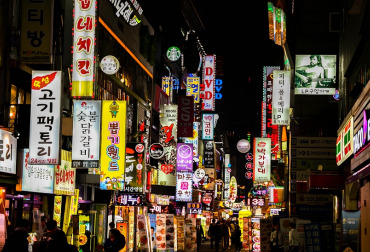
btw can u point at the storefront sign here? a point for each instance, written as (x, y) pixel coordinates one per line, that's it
(208, 126)
(209, 154)
(218, 87)
(36, 178)
(36, 32)
(185, 116)
(361, 138)
(276, 194)
(281, 98)
(194, 140)
(129, 199)
(315, 74)
(166, 86)
(207, 200)
(207, 93)
(45, 117)
(113, 143)
(83, 48)
(135, 167)
(243, 146)
(156, 151)
(193, 88)
(86, 133)
(262, 159)
(344, 143)
(184, 186)
(125, 9)
(199, 173)
(8, 152)
(184, 157)
(109, 65)
(194, 208)
(173, 53)
(257, 202)
(65, 175)
(233, 191)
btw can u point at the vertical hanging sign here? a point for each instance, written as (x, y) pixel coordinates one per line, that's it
(135, 167)
(184, 157)
(185, 116)
(45, 117)
(86, 133)
(281, 98)
(167, 137)
(113, 143)
(262, 159)
(65, 176)
(208, 86)
(83, 48)
(207, 126)
(192, 88)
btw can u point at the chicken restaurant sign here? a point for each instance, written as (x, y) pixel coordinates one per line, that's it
(361, 138)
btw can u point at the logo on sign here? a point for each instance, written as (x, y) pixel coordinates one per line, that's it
(156, 151)
(362, 137)
(185, 151)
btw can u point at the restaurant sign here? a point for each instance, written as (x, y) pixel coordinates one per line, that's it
(361, 138)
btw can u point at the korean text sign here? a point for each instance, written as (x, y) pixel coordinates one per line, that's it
(135, 167)
(184, 157)
(86, 133)
(281, 98)
(208, 87)
(45, 117)
(194, 140)
(207, 126)
(8, 152)
(65, 175)
(262, 159)
(83, 48)
(184, 186)
(193, 88)
(113, 144)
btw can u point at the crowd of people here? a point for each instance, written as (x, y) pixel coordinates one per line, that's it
(226, 232)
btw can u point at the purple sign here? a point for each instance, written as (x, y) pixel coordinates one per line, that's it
(184, 157)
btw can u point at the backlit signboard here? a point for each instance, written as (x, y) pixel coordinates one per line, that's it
(185, 116)
(315, 74)
(361, 137)
(113, 144)
(184, 186)
(281, 98)
(208, 86)
(193, 88)
(135, 167)
(8, 152)
(262, 159)
(65, 175)
(45, 117)
(208, 126)
(86, 133)
(83, 48)
(184, 157)
(344, 144)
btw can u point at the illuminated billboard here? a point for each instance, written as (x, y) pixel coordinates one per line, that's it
(281, 98)
(262, 159)
(315, 74)
(344, 144)
(208, 86)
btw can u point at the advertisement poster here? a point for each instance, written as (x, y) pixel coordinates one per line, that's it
(135, 167)
(315, 74)
(168, 138)
(246, 238)
(281, 98)
(193, 88)
(312, 237)
(113, 144)
(57, 209)
(190, 234)
(180, 233)
(184, 157)
(83, 48)
(351, 230)
(256, 234)
(185, 116)
(170, 232)
(45, 117)
(262, 159)
(161, 232)
(153, 230)
(65, 175)
(86, 134)
(123, 228)
(142, 232)
(36, 178)
(184, 186)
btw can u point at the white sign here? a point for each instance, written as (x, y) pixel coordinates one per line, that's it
(207, 126)
(8, 152)
(45, 117)
(208, 86)
(194, 140)
(86, 133)
(184, 186)
(262, 159)
(36, 178)
(243, 146)
(109, 64)
(281, 98)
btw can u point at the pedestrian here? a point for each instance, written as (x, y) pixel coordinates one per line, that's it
(115, 242)
(237, 235)
(217, 232)
(54, 240)
(111, 225)
(18, 240)
(200, 234)
(225, 234)
(293, 238)
(276, 239)
(232, 230)
(211, 231)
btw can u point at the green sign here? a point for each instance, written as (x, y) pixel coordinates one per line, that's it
(173, 53)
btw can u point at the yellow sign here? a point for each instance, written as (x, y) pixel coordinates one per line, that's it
(113, 144)
(57, 209)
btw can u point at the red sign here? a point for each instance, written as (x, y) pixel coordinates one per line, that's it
(185, 116)
(207, 199)
(166, 168)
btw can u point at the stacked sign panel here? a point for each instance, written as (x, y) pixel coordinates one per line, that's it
(262, 159)
(208, 86)
(281, 98)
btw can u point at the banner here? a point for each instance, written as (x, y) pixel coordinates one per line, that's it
(208, 126)
(208, 86)
(315, 74)
(86, 133)
(193, 88)
(113, 144)
(185, 116)
(281, 98)
(8, 152)
(135, 167)
(184, 161)
(45, 117)
(167, 137)
(65, 175)
(262, 159)
(83, 48)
